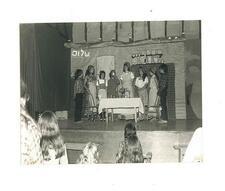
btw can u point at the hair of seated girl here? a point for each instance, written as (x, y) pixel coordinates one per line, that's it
(90, 154)
(51, 137)
(129, 130)
(134, 150)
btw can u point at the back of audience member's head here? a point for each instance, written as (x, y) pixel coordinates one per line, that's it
(24, 96)
(134, 153)
(51, 137)
(90, 154)
(129, 130)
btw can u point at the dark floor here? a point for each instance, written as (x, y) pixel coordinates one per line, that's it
(173, 125)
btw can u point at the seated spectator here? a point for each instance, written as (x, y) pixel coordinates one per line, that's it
(90, 154)
(130, 150)
(29, 132)
(194, 152)
(148, 157)
(52, 144)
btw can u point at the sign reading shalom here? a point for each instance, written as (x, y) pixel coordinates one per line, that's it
(80, 53)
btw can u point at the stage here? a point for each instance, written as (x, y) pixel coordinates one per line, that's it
(156, 138)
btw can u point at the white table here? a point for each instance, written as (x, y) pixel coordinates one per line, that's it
(121, 106)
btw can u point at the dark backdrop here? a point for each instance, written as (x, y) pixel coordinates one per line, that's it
(45, 65)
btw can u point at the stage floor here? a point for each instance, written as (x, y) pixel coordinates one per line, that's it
(173, 125)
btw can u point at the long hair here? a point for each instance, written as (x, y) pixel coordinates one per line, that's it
(78, 73)
(89, 155)
(152, 70)
(23, 90)
(51, 137)
(144, 73)
(133, 150)
(88, 70)
(127, 64)
(129, 130)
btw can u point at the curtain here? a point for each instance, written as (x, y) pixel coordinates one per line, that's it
(45, 67)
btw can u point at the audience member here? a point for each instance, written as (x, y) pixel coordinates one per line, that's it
(30, 133)
(130, 149)
(194, 152)
(52, 144)
(90, 154)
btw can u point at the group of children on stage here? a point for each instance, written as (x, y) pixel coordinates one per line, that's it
(98, 88)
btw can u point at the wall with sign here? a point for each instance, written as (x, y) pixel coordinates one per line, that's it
(171, 53)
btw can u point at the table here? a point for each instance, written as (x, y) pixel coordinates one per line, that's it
(121, 106)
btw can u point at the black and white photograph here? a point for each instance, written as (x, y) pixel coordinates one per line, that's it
(112, 95)
(111, 92)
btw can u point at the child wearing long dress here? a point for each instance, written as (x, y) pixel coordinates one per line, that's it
(102, 89)
(141, 83)
(127, 78)
(90, 85)
(153, 97)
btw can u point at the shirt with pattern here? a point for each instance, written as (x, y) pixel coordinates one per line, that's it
(124, 156)
(78, 86)
(30, 140)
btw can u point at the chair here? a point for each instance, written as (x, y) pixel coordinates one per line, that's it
(181, 150)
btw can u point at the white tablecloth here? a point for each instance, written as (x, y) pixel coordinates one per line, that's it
(121, 105)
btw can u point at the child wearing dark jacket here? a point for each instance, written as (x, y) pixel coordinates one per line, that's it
(162, 92)
(78, 95)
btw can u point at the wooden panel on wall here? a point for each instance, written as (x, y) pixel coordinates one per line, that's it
(174, 28)
(109, 31)
(140, 30)
(191, 29)
(93, 31)
(124, 29)
(157, 29)
(78, 32)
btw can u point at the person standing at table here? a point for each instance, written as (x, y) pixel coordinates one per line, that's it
(113, 83)
(127, 78)
(141, 83)
(153, 97)
(162, 92)
(78, 94)
(90, 85)
(102, 89)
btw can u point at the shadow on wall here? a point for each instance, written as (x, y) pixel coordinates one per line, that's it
(193, 79)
